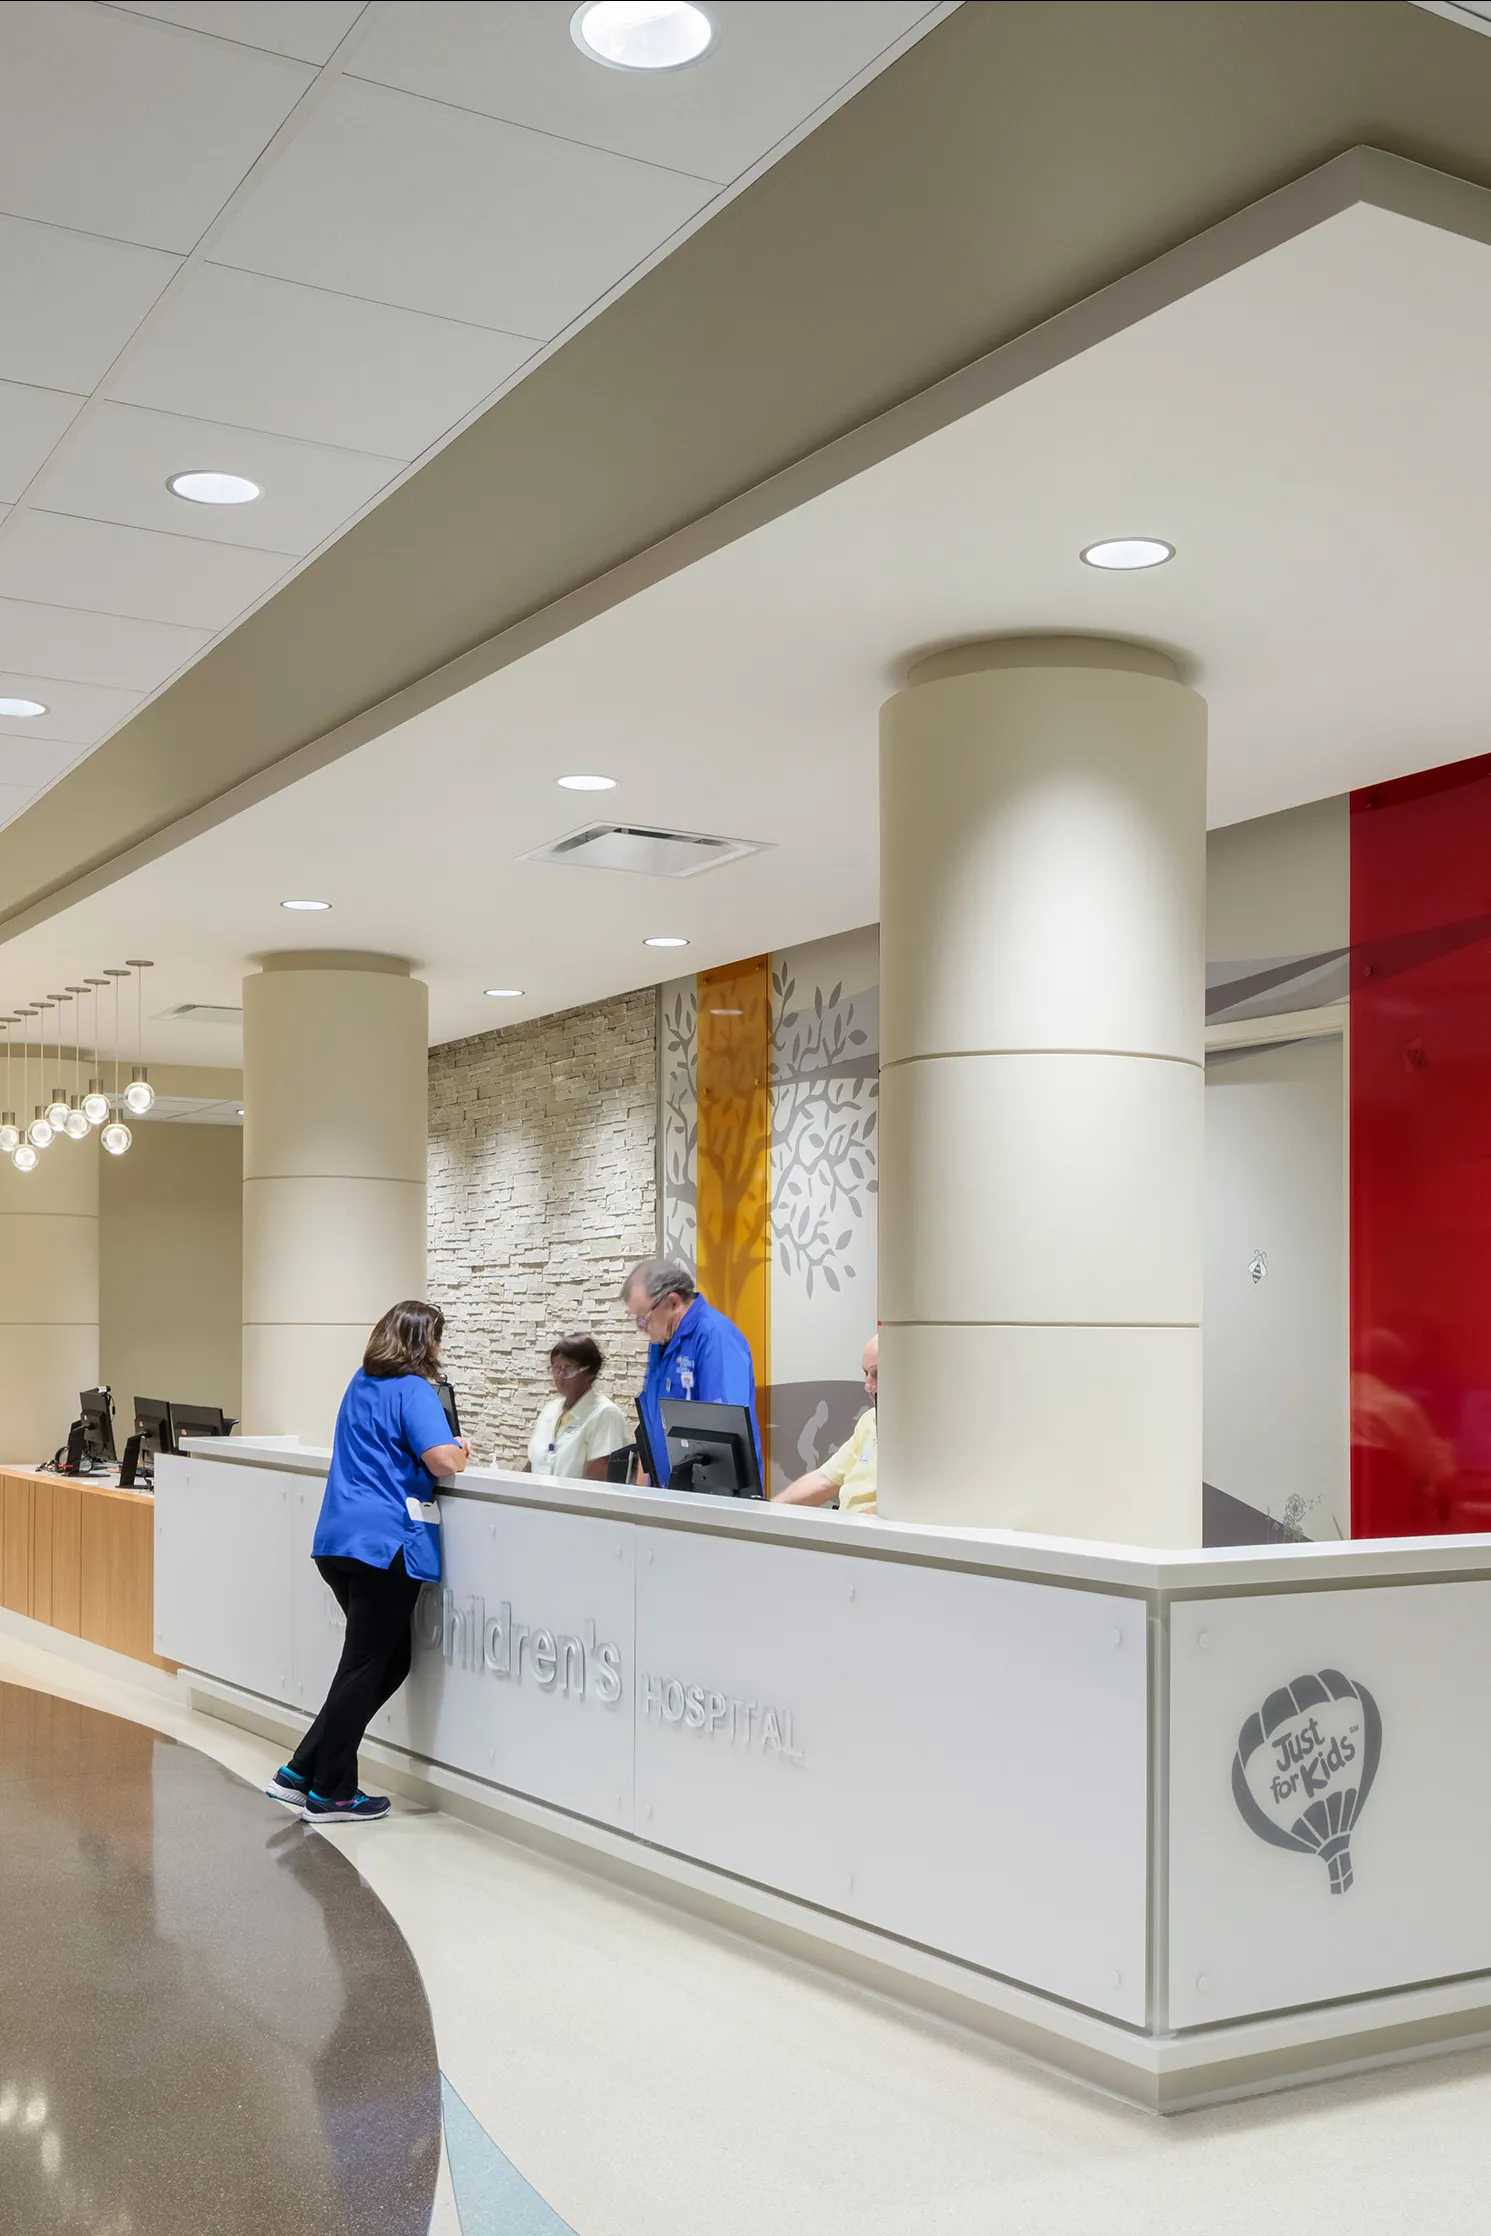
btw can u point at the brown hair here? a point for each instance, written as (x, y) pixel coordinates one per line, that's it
(582, 1350)
(406, 1341)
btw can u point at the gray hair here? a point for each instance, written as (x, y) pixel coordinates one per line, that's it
(660, 1277)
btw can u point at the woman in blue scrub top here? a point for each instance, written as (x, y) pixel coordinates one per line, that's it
(377, 1541)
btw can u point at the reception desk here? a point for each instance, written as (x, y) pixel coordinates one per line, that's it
(1187, 1825)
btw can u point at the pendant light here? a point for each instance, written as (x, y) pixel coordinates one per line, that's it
(39, 1132)
(75, 1125)
(96, 1102)
(24, 1159)
(139, 1094)
(116, 1136)
(10, 1132)
(57, 1107)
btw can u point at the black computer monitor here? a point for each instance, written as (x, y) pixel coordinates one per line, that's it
(153, 1428)
(195, 1420)
(644, 1448)
(447, 1397)
(711, 1448)
(96, 1410)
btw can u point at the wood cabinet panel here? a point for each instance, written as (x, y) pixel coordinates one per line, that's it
(117, 1592)
(66, 1503)
(15, 1527)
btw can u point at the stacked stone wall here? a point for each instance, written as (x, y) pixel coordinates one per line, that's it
(543, 1191)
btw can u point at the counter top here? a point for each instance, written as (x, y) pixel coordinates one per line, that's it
(1177, 1572)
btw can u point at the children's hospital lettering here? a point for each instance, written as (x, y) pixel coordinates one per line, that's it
(555, 1660)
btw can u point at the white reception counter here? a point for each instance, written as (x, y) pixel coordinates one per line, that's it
(1187, 1825)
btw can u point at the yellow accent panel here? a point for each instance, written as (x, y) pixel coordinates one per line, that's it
(735, 1151)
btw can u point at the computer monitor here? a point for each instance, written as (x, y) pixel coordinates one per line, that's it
(644, 1448)
(195, 1420)
(711, 1448)
(447, 1397)
(153, 1427)
(96, 1410)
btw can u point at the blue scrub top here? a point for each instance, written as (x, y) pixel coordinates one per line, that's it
(379, 1498)
(708, 1362)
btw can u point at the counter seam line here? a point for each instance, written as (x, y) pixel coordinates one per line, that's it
(1125, 1055)
(889, 1323)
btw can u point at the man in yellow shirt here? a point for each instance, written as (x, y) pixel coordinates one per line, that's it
(850, 1472)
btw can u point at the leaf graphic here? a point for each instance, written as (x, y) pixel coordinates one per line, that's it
(845, 1239)
(833, 999)
(831, 1278)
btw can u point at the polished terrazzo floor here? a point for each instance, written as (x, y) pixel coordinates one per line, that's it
(615, 2070)
(207, 2018)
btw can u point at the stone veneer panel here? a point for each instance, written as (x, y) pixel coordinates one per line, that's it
(543, 1191)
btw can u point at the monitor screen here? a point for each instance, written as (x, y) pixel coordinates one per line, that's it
(153, 1422)
(711, 1448)
(197, 1420)
(97, 1410)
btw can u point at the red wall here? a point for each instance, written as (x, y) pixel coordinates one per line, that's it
(1421, 1153)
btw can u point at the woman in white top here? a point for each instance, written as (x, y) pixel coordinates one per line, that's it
(579, 1427)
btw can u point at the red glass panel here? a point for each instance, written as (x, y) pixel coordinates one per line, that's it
(1421, 1154)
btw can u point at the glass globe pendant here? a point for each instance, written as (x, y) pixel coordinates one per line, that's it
(25, 1159)
(39, 1132)
(96, 1103)
(75, 1126)
(57, 1111)
(116, 1137)
(139, 1094)
(10, 1134)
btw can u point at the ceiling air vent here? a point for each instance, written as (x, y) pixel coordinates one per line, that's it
(644, 851)
(201, 1013)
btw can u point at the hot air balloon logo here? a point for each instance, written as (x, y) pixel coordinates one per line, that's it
(1304, 1767)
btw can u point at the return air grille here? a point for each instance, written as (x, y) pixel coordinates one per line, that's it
(642, 850)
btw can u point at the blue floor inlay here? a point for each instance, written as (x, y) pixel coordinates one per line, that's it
(492, 2197)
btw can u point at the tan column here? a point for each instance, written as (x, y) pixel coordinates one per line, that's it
(48, 1296)
(1043, 861)
(334, 1133)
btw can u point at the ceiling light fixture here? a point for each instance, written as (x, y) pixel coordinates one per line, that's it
(665, 941)
(96, 1102)
(57, 1108)
(642, 34)
(139, 1095)
(21, 710)
(214, 489)
(1124, 553)
(504, 993)
(305, 904)
(116, 1136)
(586, 783)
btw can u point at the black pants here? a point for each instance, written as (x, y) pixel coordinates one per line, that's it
(379, 1606)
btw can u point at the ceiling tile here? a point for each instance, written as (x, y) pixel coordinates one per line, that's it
(71, 302)
(777, 61)
(31, 421)
(308, 31)
(118, 463)
(254, 352)
(128, 128)
(406, 201)
(77, 713)
(54, 560)
(32, 762)
(93, 647)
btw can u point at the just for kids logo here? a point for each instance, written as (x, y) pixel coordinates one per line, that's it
(1304, 1767)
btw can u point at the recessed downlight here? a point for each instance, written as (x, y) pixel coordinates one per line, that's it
(310, 907)
(21, 709)
(586, 783)
(641, 34)
(503, 993)
(214, 489)
(665, 940)
(1125, 553)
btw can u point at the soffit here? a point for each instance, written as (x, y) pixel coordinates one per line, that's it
(307, 244)
(1325, 599)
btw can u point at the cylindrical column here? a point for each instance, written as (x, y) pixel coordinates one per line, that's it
(1042, 945)
(48, 1296)
(334, 1134)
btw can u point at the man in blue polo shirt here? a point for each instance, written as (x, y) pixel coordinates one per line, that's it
(696, 1352)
